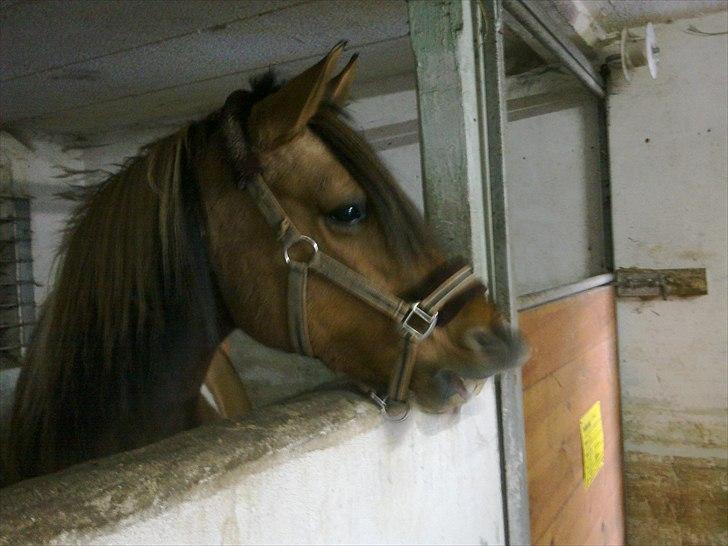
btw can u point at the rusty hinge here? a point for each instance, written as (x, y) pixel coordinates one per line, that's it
(661, 283)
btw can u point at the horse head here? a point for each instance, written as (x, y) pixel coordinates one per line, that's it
(271, 215)
(325, 180)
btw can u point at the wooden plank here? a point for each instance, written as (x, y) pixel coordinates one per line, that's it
(575, 322)
(661, 283)
(574, 364)
(553, 408)
(451, 172)
(676, 500)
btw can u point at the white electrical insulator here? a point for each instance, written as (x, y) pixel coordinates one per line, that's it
(635, 52)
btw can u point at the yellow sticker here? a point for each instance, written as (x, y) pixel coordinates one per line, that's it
(592, 442)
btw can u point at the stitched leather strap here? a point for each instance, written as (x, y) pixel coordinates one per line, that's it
(359, 286)
(460, 281)
(402, 374)
(297, 319)
(457, 283)
(356, 284)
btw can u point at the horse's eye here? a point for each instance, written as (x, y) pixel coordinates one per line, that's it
(349, 214)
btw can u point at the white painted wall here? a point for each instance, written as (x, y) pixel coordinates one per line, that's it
(430, 480)
(392, 110)
(554, 195)
(40, 171)
(669, 143)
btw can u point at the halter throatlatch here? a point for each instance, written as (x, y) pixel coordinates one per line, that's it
(416, 320)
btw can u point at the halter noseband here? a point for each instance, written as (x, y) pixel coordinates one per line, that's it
(416, 320)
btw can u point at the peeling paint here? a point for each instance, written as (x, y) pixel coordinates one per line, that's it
(676, 500)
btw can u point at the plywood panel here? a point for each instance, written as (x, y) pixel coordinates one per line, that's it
(573, 365)
(562, 329)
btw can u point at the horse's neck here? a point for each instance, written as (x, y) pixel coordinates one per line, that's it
(174, 387)
(171, 400)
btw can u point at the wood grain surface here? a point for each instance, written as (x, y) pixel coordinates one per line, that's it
(573, 365)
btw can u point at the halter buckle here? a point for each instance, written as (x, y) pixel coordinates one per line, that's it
(419, 314)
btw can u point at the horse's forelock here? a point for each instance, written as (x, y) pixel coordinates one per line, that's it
(402, 224)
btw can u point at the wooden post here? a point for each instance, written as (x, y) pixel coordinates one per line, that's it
(449, 128)
(459, 54)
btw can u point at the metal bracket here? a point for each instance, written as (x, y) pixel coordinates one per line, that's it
(656, 283)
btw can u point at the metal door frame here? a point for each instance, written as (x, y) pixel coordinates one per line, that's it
(458, 48)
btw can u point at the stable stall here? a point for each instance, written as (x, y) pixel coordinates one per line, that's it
(493, 119)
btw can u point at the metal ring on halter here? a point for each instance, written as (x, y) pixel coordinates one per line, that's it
(305, 239)
(384, 406)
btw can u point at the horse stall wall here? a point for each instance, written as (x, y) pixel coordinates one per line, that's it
(668, 141)
(36, 167)
(555, 197)
(574, 366)
(324, 469)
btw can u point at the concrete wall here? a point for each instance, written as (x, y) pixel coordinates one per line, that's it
(669, 140)
(323, 469)
(554, 187)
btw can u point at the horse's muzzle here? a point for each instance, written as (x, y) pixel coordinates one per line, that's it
(495, 350)
(447, 385)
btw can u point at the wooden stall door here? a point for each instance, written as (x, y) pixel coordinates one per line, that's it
(573, 366)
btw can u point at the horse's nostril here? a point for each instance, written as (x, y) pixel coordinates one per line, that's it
(449, 383)
(501, 347)
(483, 340)
(480, 339)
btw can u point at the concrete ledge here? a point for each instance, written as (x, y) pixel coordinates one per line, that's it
(96, 498)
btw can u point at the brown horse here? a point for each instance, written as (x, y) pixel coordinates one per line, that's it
(162, 260)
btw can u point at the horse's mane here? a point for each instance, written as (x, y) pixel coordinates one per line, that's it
(134, 306)
(132, 298)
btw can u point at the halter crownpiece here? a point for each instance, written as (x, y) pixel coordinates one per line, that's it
(416, 320)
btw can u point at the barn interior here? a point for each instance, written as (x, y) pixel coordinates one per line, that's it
(614, 166)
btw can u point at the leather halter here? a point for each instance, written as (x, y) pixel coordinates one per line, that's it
(416, 320)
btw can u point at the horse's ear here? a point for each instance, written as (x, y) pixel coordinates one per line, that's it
(340, 86)
(280, 116)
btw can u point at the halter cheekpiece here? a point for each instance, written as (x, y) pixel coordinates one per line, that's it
(415, 320)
